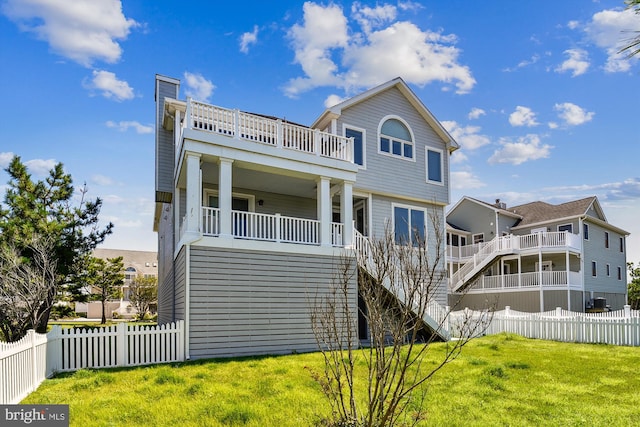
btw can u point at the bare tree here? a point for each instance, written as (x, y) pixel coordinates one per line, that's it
(25, 282)
(397, 286)
(143, 291)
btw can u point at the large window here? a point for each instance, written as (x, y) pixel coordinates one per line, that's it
(408, 225)
(358, 144)
(396, 139)
(434, 166)
(566, 227)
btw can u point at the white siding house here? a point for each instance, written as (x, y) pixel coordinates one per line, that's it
(253, 213)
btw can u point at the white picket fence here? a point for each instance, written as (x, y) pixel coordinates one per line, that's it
(26, 363)
(620, 327)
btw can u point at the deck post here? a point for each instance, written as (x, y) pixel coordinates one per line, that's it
(324, 210)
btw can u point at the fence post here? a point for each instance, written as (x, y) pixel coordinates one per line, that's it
(507, 309)
(54, 350)
(627, 311)
(34, 360)
(121, 342)
(558, 311)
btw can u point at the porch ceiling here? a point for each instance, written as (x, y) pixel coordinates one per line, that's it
(259, 178)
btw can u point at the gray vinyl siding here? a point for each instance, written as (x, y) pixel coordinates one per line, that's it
(165, 265)
(389, 174)
(475, 218)
(255, 302)
(166, 298)
(614, 300)
(595, 250)
(164, 139)
(552, 227)
(180, 284)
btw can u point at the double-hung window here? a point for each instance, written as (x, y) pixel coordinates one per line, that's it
(358, 144)
(409, 225)
(396, 139)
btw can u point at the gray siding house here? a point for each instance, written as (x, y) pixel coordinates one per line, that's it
(254, 213)
(535, 257)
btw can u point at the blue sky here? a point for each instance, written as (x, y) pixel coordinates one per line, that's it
(534, 92)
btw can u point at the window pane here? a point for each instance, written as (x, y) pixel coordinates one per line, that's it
(397, 147)
(213, 202)
(384, 145)
(585, 231)
(408, 151)
(594, 269)
(358, 152)
(401, 225)
(434, 166)
(417, 227)
(395, 128)
(566, 227)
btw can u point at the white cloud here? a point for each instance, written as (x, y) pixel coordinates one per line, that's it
(373, 17)
(475, 113)
(329, 57)
(5, 159)
(523, 116)
(552, 125)
(465, 180)
(332, 100)
(572, 25)
(40, 167)
(123, 126)
(247, 39)
(524, 63)
(523, 150)
(81, 30)
(198, 87)
(577, 62)
(458, 157)
(110, 86)
(572, 114)
(410, 5)
(101, 180)
(467, 136)
(607, 30)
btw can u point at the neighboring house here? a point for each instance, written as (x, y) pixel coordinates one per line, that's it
(254, 213)
(135, 263)
(535, 257)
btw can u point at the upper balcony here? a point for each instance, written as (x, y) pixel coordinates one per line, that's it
(264, 131)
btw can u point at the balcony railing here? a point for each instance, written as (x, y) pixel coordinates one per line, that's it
(275, 228)
(263, 130)
(527, 280)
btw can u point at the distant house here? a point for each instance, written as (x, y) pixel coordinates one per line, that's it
(144, 263)
(253, 212)
(536, 256)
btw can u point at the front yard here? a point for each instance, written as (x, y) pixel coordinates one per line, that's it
(498, 380)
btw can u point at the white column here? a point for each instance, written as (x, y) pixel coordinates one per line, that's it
(540, 273)
(324, 210)
(568, 280)
(193, 211)
(225, 195)
(346, 212)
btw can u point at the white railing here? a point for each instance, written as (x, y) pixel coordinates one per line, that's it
(26, 363)
(526, 280)
(621, 327)
(435, 315)
(234, 123)
(275, 228)
(462, 252)
(486, 252)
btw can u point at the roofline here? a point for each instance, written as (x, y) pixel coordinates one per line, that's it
(589, 218)
(335, 111)
(485, 205)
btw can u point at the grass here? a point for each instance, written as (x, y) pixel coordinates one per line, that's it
(501, 380)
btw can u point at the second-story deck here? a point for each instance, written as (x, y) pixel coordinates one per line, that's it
(267, 131)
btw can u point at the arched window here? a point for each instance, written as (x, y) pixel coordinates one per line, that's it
(396, 139)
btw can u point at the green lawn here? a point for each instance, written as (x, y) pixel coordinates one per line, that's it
(502, 380)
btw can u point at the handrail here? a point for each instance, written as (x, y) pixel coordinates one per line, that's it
(264, 130)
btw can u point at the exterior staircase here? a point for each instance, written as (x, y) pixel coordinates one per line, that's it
(435, 316)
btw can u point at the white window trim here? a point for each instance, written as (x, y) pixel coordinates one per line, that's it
(564, 225)
(473, 238)
(544, 263)
(620, 273)
(608, 270)
(412, 142)
(250, 197)
(410, 208)
(426, 165)
(607, 240)
(594, 266)
(588, 231)
(346, 126)
(622, 245)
